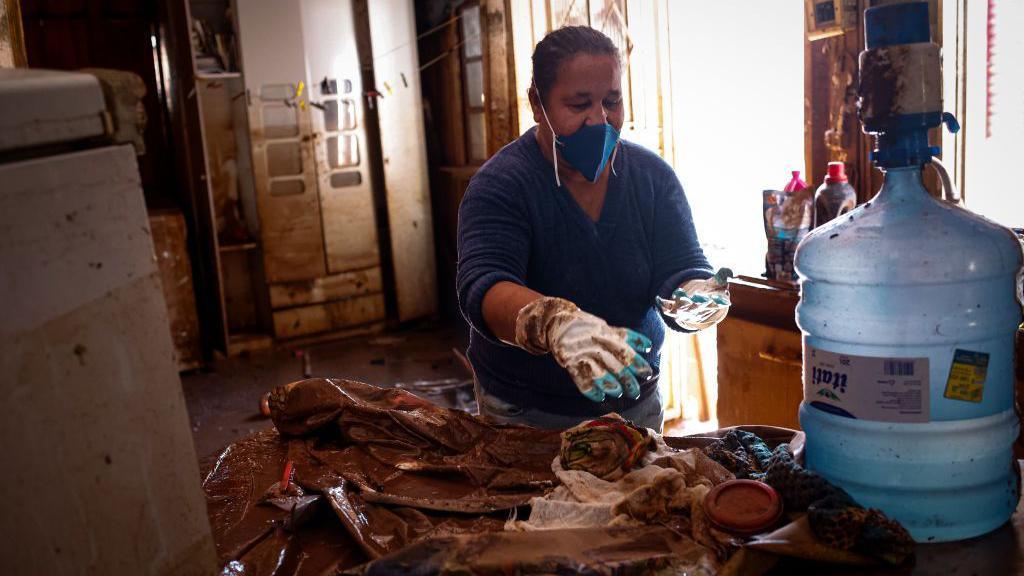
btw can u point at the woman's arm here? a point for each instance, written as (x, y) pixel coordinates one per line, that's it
(494, 253)
(494, 250)
(501, 305)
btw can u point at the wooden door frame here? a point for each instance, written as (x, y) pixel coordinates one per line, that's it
(15, 36)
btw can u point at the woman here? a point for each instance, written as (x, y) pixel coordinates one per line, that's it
(566, 238)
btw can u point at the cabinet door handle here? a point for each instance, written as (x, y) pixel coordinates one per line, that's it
(780, 359)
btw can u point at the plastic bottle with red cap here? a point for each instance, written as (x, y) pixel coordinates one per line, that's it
(795, 184)
(835, 196)
(787, 219)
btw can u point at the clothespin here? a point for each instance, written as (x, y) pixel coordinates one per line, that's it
(371, 98)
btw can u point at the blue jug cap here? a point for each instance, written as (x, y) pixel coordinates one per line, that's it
(896, 24)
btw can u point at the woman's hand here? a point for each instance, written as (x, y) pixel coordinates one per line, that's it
(699, 304)
(602, 360)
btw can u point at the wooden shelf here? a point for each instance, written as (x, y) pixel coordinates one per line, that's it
(244, 246)
(764, 301)
(217, 75)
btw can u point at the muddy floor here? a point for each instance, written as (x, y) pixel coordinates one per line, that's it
(223, 400)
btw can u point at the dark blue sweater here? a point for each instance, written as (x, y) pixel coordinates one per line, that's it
(516, 225)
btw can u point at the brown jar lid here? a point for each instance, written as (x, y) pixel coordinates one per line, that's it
(743, 507)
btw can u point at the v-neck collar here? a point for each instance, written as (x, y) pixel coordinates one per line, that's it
(608, 216)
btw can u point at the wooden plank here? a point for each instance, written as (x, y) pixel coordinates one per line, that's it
(499, 77)
(764, 301)
(306, 320)
(334, 287)
(247, 343)
(216, 103)
(403, 148)
(451, 96)
(759, 374)
(12, 41)
(171, 249)
(348, 333)
(273, 55)
(243, 247)
(237, 274)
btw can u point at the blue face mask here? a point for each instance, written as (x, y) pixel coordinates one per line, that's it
(587, 149)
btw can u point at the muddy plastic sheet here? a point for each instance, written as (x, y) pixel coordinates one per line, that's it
(646, 550)
(398, 477)
(250, 536)
(382, 530)
(389, 468)
(341, 530)
(399, 449)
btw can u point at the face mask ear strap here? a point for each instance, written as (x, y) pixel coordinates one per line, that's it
(614, 154)
(554, 137)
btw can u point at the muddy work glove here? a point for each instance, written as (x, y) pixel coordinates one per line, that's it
(602, 360)
(698, 304)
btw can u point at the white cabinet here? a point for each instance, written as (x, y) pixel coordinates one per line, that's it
(317, 168)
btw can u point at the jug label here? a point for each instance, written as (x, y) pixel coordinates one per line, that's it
(967, 376)
(867, 387)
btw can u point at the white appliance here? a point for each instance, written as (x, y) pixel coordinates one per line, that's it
(100, 473)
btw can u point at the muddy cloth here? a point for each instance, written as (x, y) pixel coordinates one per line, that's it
(596, 551)
(607, 447)
(646, 482)
(742, 453)
(834, 516)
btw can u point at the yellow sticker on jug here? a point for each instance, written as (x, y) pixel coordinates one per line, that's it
(967, 376)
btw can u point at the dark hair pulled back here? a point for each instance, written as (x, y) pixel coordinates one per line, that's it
(562, 45)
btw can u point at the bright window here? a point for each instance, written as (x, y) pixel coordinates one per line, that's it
(737, 71)
(984, 70)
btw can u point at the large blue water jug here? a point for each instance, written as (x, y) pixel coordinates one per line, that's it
(908, 310)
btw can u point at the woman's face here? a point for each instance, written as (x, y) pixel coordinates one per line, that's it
(587, 91)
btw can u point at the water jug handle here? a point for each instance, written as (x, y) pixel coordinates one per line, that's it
(950, 193)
